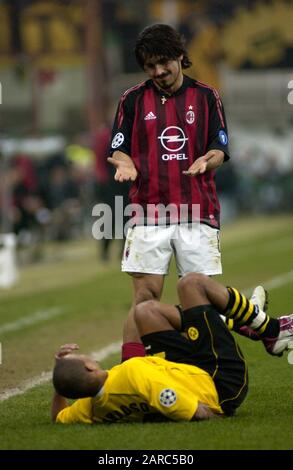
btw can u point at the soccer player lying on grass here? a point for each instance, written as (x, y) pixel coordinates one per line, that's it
(196, 370)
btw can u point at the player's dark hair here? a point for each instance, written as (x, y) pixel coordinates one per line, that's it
(72, 380)
(163, 41)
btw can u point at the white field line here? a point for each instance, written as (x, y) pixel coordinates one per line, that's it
(273, 283)
(36, 317)
(112, 348)
(279, 281)
(44, 377)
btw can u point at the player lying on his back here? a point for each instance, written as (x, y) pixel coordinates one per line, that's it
(201, 372)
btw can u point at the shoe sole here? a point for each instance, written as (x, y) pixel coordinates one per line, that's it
(266, 303)
(287, 348)
(266, 300)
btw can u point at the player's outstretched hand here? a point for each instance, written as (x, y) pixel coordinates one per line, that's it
(197, 168)
(125, 170)
(211, 160)
(66, 349)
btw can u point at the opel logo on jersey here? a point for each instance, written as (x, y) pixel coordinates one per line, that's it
(118, 140)
(173, 138)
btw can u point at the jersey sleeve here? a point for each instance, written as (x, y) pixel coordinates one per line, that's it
(218, 132)
(79, 412)
(122, 127)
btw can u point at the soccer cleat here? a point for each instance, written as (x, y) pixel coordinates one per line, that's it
(276, 346)
(247, 332)
(260, 298)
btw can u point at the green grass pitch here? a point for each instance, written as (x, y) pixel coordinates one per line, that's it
(92, 301)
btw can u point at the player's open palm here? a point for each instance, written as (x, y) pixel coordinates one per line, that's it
(125, 170)
(197, 168)
(66, 349)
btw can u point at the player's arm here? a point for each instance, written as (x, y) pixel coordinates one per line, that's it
(58, 401)
(217, 146)
(79, 412)
(125, 168)
(58, 404)
(203, 412)
(120, 151)
(210, 161)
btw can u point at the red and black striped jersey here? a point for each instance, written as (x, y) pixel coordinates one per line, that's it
(164, 135)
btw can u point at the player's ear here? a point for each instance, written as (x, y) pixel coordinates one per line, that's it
(90, 365)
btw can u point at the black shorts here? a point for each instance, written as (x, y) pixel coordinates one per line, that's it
(207, 343)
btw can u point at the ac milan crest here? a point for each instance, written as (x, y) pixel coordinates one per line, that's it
(190, 117)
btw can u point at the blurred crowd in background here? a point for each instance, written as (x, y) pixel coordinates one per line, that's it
(63, 65)
(51, 196)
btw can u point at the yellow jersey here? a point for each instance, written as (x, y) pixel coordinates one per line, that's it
(144, 388)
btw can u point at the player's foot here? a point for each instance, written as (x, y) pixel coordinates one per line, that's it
(260, 298)
(248, 332)
(276, 346)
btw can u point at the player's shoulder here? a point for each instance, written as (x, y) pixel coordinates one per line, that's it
(137, 364)
(209, 90)
(133, 362)
(135, 90)
(204, 88)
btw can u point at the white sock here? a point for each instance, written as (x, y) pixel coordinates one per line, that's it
(259, 319)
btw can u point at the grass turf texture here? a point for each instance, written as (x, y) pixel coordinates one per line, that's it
(94, 301)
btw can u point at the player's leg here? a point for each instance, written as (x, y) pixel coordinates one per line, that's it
(197, 249)
(193, 288)
(154, 316)
(276, 333)
(199, 337)
(160, 328)
(215, 349)
(259, 297)
(198, 289)
(146, 287)
(146, 257)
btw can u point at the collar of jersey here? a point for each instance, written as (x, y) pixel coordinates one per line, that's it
(180, 90)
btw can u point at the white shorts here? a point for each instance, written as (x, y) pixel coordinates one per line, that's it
(149, 249)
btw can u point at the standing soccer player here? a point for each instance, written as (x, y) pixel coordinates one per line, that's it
(168, 138)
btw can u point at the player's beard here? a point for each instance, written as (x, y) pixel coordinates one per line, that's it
(163, 82)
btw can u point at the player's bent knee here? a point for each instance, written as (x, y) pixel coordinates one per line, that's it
(190, 281)
(145, 310)
(149, 306)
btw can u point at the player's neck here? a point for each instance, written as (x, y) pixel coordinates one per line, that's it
(101, 377)
(176, 85)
